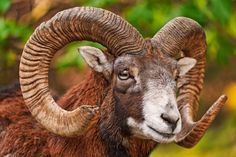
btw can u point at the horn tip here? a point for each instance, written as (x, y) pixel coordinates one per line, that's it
(200, 127)
(218, 104)
(223, 97)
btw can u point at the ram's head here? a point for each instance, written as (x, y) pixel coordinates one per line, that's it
(145, 74)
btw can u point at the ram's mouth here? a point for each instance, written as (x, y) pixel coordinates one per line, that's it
(166, 135)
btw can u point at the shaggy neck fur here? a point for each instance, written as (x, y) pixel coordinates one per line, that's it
(108, 136)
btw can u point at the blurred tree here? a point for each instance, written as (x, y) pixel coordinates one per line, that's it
(148, 16)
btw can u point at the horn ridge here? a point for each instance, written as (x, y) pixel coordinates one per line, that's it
(79, 23)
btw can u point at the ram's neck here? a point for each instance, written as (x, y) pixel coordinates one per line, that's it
(88, 92)
(118, 146)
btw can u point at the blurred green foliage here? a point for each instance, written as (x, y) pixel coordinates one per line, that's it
(10, 30)
(12, 36)
(216, 16)
(4, 5)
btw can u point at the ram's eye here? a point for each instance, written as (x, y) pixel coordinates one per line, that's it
(176, 78)
(124, 75)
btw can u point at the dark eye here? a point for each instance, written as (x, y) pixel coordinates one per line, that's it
(124, 75)
(176, 78)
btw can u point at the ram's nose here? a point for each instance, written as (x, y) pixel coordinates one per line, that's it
(170, 120)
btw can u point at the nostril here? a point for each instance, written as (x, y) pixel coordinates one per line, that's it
(176, 121)
(170, 121)
(167, 118)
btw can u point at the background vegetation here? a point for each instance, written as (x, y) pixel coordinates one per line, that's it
(18, 18)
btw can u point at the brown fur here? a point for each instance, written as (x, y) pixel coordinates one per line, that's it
(21, 135)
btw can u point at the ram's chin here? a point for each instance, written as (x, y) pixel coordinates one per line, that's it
(159, 138)
(163, 139)
(141, 130)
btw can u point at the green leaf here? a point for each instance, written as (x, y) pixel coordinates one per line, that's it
(232, 25)
(100, 3)
(141, 17)
(3, 29)
(213, 45)
(225, 51)
(221, 10)
(192, 11)
(4, 5)
(10, 58)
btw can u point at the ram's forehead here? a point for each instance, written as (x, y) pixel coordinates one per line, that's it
(146, 62)
(127, 60)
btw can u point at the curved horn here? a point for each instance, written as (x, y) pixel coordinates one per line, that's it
(85, 23)
(186, 35)
(198, 129)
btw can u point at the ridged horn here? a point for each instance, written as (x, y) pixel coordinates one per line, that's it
(76, 24)
(183, 35)
(197, 129)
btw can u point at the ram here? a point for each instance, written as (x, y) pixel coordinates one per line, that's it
(127, 105)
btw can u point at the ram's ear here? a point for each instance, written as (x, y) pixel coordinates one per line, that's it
(97, 60)
(185, 64)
